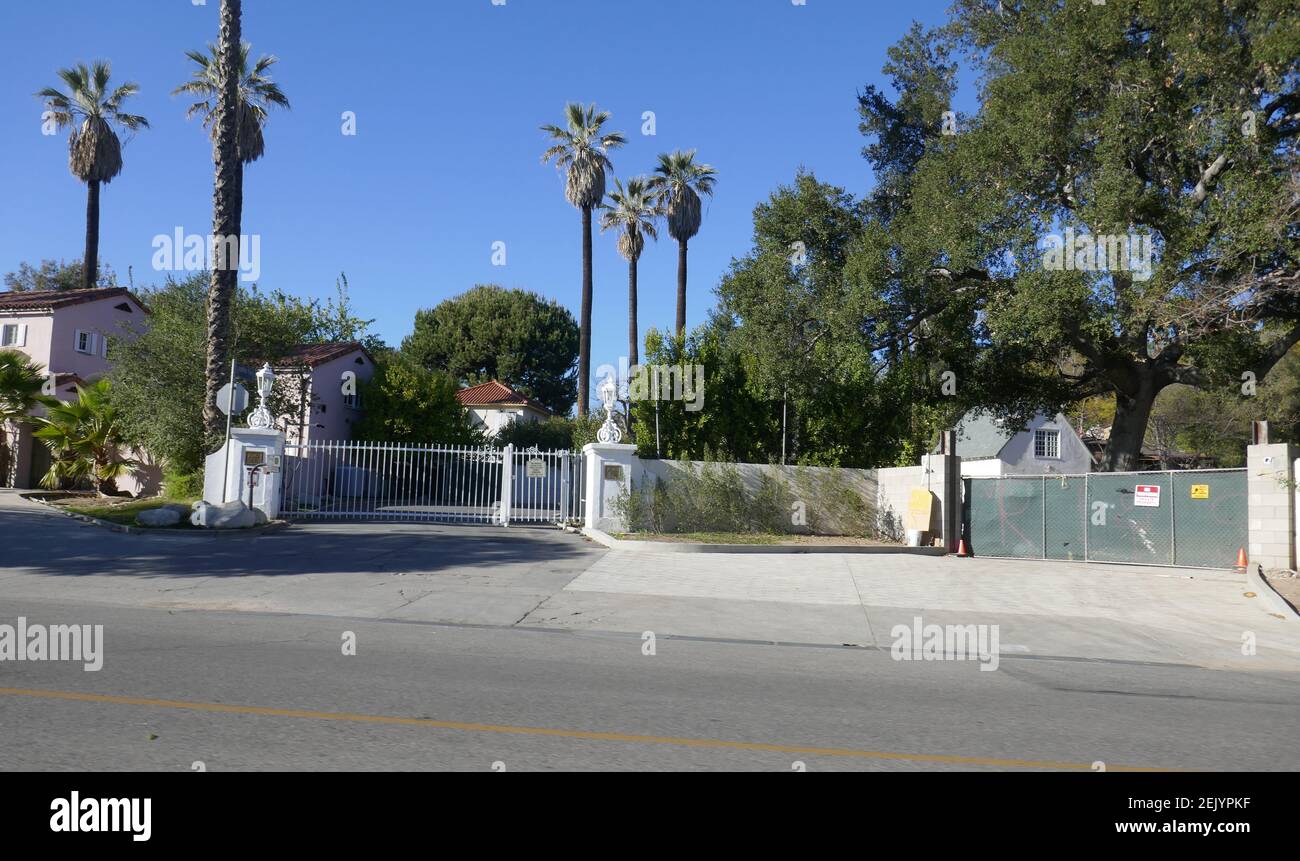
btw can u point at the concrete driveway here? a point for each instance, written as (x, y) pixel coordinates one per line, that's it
(544, 578)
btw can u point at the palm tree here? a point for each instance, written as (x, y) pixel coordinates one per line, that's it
(579, 148)
(84, 441)
(225, 209)
(257, 95)
(633, 209)
(21, 381)
(679, 183)
(94, 150)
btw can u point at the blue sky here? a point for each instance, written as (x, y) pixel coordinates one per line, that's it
(448, 97)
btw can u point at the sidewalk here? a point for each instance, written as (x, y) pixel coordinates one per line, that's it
(1110, 612)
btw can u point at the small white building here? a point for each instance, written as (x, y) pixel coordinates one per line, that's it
(991, 447)
(494, 406)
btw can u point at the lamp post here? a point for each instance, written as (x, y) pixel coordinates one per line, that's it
(261, 417)
(609, 431)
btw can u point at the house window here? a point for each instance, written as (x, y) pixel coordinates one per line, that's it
(10, 335)
(353, 401)
(85, 342)
(1047, 443)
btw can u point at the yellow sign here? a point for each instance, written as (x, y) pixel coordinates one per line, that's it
(1200, 491)
(919, 506)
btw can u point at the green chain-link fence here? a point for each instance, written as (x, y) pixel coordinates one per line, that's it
(1194, 518)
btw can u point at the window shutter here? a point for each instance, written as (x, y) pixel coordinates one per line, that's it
(22, 334)
(103, 345)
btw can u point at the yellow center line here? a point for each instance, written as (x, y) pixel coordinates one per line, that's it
(585, 735)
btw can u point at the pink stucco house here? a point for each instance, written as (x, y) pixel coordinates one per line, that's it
(323, 381)
(66, 332)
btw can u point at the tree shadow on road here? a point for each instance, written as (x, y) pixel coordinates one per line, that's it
(49, 543)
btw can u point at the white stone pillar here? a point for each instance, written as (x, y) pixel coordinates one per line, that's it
(507, 483)
(1271, 505)
(249, 448)
(609, 473)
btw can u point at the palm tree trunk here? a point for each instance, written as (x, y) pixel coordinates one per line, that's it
(631, 315)
(225, 214)
(584, 339)
(681, 288)
(90, 262)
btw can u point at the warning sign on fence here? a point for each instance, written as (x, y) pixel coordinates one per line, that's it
(1200, 491)
(1147, 496)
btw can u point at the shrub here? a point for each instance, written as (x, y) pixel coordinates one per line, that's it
(182, 485)
(714, 497)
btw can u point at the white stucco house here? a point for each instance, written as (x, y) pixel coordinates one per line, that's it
(991, 447)
(493, 406)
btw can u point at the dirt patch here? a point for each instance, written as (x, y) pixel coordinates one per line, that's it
(1285, 584)
(120, 510)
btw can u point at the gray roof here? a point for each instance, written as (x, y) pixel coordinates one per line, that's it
(980, 435)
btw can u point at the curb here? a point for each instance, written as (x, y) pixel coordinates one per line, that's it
(1276, 603)
(673, 547)
(273, 526)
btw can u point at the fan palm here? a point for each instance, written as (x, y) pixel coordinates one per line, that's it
(632, 210)
(679, 182)
(580, 149)
(20, 392)
(226, 202)
(91, 109)
(84, 440)
(257, 95)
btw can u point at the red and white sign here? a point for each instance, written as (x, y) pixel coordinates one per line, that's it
(1147, 496)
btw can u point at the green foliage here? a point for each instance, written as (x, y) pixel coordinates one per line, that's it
(725, 412)
(584, 429)
(158, 373)
(708, 498)
(714, 497)
(21, 381)
(55, 275)
(523, 340)
(553, 434)
(407, 403)
(183, 485)
(84, 440)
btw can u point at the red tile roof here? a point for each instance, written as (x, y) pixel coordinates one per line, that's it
(46, 300)
(496, 394)
(313, 355)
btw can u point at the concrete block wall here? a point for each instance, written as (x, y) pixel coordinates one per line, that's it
(895, 486)
(1271, 505)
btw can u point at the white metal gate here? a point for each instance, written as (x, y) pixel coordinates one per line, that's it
(455, 484)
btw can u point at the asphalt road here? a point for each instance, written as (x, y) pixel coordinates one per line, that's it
(246, 690)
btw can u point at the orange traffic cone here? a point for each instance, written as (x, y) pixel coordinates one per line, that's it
(961, 548)
(1241, 558)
